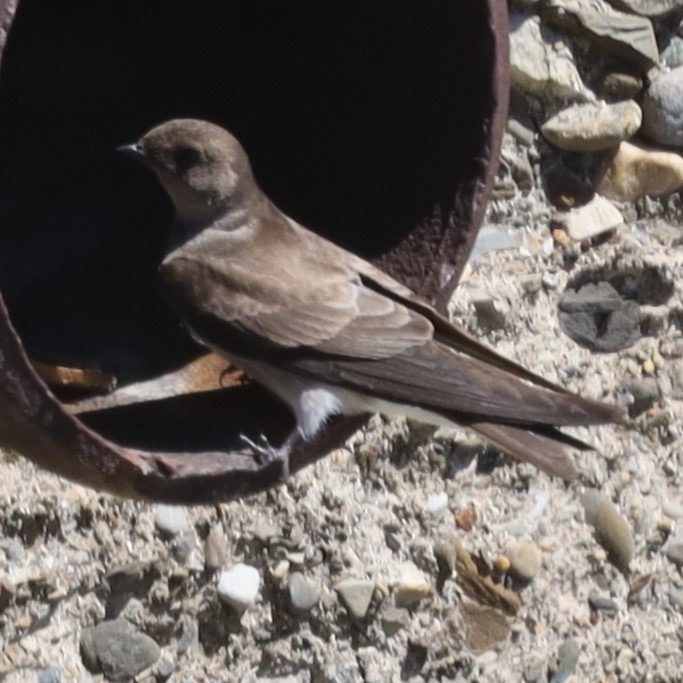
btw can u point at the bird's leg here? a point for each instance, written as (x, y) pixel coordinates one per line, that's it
(266, 453)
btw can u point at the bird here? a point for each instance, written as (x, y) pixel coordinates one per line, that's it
(325, 330)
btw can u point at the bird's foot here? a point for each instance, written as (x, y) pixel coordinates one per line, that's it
(266, 453)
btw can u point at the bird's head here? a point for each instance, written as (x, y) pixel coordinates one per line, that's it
(202, 167)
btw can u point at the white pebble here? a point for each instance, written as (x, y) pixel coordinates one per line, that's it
(239, 586)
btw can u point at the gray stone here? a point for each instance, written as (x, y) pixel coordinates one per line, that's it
(394, 619)
(567, 659)
(672, 509)
(356, 595)
(239, 586)
(663, 109)
(170, 520)
(628, 38)
(676, 597)
(118, 650)
(672, 55)
(303, 595)
(612, 531)
(601, 604)
(525, 560)
(593, 127)
(538, 65)
(492, 314)
(648, 8)
(645, 392)
(49, 675)
(674, 549)
(598, 318)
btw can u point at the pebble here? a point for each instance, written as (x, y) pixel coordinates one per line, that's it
(663, 109)
(592, 127)
(567, 659)
(633, 171)
(522, 133)
(412, 586)
(676, 597)
(239, 586)
(170, 520)
(525, 560)
(645, 393)
(674, 549)
(502, 564)
(49, 675)
(672, 509)
(437, 504)
(118, 650)
(216, 551)
(356, 595)
(625, 37)
(652, 8)
(598, 318)
(612, 531)
(492, 314)
(14, 550)
(394, 619)
(303, 595)
(601, 604)
(541, 63)
(619, 86)
(594, 218)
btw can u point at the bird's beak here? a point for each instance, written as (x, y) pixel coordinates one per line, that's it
(135, 151)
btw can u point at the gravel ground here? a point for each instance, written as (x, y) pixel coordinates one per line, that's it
(583, 602)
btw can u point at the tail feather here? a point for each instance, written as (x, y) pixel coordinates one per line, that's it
(546, 449)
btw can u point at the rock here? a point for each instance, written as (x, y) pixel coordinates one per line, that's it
(118, 650)
(645, 392)
(598, 318)
(216, 552)
(663, 109)
(239, 586)
(567, 659)
(628, 38)
(356, 595)
(672, 55)
(648, 8)
(615, 86)
(491, 239)
(601, 604)
(170, 520)
(672, 509)
(492, 314)
(612, 531)
(537, 67)
(394, 619)
(676, 597)
(593, 127)
(525, 560)
(437, 504)
(412, 586)
(303, 595)
(522, 133)
(49, 675)
(674, 549)
(590, 220)
(633, 171)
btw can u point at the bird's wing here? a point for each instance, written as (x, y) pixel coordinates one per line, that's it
(345, 333)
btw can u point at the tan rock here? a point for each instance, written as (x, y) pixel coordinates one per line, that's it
(592, 127)
(587, 221)
(634, 171)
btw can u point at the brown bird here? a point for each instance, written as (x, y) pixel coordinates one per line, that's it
(325, 330)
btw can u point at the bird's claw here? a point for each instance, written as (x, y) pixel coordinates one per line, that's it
(266, 453)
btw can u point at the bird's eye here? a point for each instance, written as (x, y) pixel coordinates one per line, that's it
(186, 157)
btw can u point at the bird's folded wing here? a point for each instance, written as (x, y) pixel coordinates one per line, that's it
(359, 339)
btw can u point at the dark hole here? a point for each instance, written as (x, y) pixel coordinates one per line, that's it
(359, 117)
